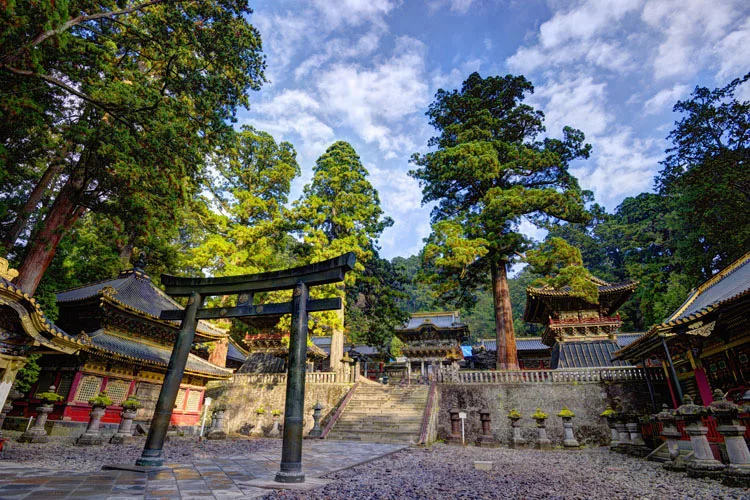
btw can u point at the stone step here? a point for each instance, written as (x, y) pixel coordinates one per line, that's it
(393, 429)
(375, 438)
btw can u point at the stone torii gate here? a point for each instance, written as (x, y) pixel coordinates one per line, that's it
(300, 280)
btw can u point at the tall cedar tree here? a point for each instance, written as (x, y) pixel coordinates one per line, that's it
(488, 172)
(340, 212)
(706, 178)
(132, 95)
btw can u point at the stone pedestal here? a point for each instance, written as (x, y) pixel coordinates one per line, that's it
(670, 432)
(124, 433)
(217, 426)
(703, 463)
(516, 441)
(569, 439)
(624, 437)
(614, 436)
(7, 407)
(542, 441)
(93, 435)
(275, 430)
(257, 430)
(486, 439)
(455, 437)
(37, 433)
(638, 446)
(316, 431)
(737, 473)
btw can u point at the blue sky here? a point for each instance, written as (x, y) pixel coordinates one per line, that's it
(365, 71)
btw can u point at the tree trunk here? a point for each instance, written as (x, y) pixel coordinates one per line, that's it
(30, 206)
(507, 359)
(63, 213)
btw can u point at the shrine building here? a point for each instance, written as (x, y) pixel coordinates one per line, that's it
(432, 339)
(117, 343)
(705, 344)
(580, 334)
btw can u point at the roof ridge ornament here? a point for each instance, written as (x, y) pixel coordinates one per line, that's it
(5, 271)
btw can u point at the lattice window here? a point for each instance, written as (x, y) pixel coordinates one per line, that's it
(46, 379)
(88, 388)
(180, 402)
(63, 386)
(194, 400)
(117, 390)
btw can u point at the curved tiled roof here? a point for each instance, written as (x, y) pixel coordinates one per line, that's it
(728, 284)
(436, 319)
(108, 344)
(134, 290)
(585, 354)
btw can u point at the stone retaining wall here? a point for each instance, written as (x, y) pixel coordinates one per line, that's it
(586, 400)
(241, 398)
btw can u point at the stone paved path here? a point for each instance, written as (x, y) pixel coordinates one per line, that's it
(217, 477)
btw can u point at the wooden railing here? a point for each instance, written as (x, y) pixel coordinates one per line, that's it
(561, 375)
(280, 378)
(430, 413)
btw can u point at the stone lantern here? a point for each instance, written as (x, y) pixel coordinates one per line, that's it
(455, 437)
(542, 441)
(37, 433)
(217, 424)
(93, 435)
(275, 430)
(703, 463)
(124, 433)
(258, 429)
(672, 435)
(638, 446)
(621, 419)
(316, 431)
(517, 441)
(569, 439)
(614, 437)
(737, 473)
(486, 439)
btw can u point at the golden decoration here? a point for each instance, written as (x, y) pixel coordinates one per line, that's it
(5, 271)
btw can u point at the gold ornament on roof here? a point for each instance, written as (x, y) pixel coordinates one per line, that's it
(5, 271)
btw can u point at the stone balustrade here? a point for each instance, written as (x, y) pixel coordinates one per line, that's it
(280, 378)
(564, 376)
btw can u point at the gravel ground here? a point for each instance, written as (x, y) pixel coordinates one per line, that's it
(62, 454)
(442, 472)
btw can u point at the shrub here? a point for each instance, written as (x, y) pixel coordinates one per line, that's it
(101, 400)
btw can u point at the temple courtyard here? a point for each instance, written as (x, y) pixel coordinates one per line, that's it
(341, 469)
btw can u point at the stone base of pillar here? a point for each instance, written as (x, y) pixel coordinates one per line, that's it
(712, 469)
(638, 450)
(622, 447)
(454, 440)
(90, 439)
(122, 439)
(543, 444)
(216, 435)
(571, 443)
(487, 442)
(613, 445)
(518, 443)
(34, 436)
(737, 476)
(679, 464)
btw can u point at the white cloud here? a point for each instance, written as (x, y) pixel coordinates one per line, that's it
(622, 165)
(689, 29)
(373, 101)
(354, 12)
(734, 51)
(664, 97)
(580, 103)
(583, 22)
(457, 6)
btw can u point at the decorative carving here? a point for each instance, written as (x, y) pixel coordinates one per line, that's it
(701, 329)
(5, 271)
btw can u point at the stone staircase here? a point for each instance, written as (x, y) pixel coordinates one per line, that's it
(383, 414)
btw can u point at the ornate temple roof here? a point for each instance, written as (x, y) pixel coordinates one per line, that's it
(542, 301)
(439, 320)
(134, 291)
(235, 352)
(524, 344)
(589, 354)
(725, 288)
(115, 346)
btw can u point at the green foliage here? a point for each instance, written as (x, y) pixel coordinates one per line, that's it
(561, 265)
(566, 413)
(131, 102)
(418, 293)
(539, 414)
(260, 410)
(396, 346)
(490, 172)
(101, 400)
(275, 413)
(49, 397)
(514, 414)
(28, 375)
(372, 304)
(608, 412)
(131, 403)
